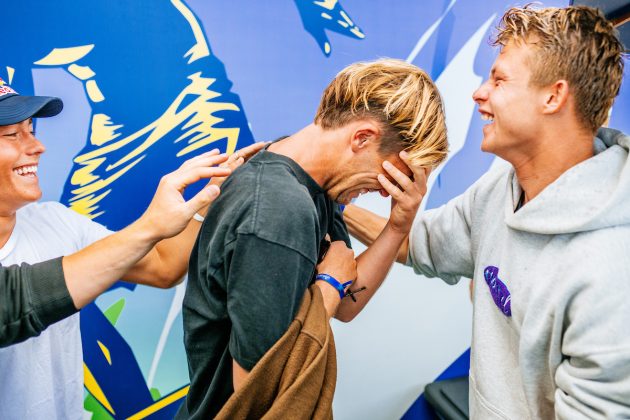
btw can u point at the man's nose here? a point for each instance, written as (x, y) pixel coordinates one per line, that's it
(481, 94)
(34, 146)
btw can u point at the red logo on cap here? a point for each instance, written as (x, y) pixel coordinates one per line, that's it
(5, 89)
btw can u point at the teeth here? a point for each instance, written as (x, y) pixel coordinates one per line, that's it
(487, 117)
(25, 170)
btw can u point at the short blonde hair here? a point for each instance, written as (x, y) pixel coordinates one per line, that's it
(401, 97)
(576, 44)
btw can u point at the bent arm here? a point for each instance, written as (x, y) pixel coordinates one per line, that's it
(372, 268)
(96, 268)
(367, 226)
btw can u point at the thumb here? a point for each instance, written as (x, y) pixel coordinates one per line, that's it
(204, 197)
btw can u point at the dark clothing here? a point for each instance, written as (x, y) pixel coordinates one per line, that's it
(253, 260)
(32, 297)
(296, 378)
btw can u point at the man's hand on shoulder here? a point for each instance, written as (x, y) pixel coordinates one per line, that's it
(168, 214)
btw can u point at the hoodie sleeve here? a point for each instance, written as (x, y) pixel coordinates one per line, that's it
(32, 297)
(440, 243)
(593, 379)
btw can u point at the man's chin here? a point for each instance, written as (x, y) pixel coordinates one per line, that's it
(486, 145)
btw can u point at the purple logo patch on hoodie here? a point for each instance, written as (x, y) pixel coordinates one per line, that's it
(498, 290)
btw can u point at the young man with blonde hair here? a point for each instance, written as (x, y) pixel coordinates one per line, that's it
(259, 248)
(546, 238)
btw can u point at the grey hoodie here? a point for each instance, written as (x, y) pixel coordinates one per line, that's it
(551, 318)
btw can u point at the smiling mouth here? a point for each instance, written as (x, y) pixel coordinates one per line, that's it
(486, 116)
(29, 171)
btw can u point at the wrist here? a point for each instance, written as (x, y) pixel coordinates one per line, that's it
(340, 287)
(145, 231)
(396, 232)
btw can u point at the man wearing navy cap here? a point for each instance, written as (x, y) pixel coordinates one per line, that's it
(43, 377)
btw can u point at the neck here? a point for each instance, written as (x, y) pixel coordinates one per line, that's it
(7, 224)
(537, 168)
(310, 148)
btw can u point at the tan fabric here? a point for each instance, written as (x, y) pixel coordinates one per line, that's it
(296, 378)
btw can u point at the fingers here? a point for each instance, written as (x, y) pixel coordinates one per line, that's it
(194, 160)
(203, 198)
(239, 157)
(390, 188)
(251, 150)
(416, 186)
(339, 262)
(234, 161)
(420, 173)
(402, 179)
(184, 177)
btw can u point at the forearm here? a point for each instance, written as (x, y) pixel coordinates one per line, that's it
(32, 297)
(367, 226)
(373, 265)
(330, 296)
(363, 224)
(94, 269)
(166, 264)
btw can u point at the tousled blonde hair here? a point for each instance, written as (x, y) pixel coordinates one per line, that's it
(576, 44)
(401, 97)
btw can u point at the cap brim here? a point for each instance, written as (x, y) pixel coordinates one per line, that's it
(18, 108)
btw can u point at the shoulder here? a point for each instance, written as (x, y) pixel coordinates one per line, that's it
(608, 247)
(278, 195)
(276, 207)
(53, 210)
(45, 209)
(494, 181)
(66, 222)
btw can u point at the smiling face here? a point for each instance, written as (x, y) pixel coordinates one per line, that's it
(19, 158)
(509, 103)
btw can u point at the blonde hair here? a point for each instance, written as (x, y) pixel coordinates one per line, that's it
(576, 44)
(401, 97)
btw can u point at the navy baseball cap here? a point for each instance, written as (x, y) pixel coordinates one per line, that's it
(15, 108)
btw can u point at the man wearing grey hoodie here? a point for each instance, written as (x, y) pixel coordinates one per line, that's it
(547, 237)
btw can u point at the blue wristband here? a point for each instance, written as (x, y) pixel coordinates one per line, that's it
(341, 288)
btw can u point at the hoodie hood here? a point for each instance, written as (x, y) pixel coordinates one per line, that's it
(594, 194)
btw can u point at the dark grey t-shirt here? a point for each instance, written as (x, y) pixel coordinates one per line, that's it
(254, 258)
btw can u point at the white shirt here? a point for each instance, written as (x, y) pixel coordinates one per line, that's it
(42, 377)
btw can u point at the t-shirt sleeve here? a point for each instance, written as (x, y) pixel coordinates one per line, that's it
(440, 243)
(85, 229)
(32, 297)
(266, 284)
(339, 231)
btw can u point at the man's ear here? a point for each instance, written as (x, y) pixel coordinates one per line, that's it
(556, 97)
(364, 133)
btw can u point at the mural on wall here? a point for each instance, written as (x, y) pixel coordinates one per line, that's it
(160, 81)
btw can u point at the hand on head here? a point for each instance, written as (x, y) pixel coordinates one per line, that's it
(406, 195)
